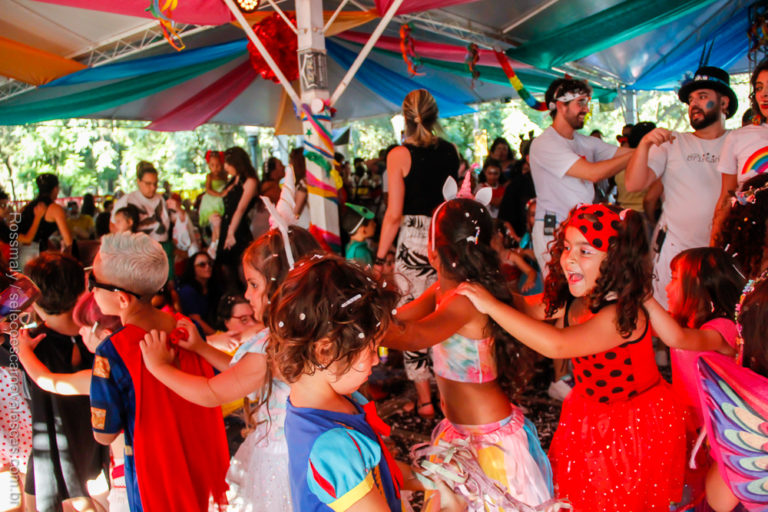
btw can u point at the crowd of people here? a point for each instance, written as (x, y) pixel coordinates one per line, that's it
(214, 354)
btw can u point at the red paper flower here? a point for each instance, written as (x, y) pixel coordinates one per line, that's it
(281, 43)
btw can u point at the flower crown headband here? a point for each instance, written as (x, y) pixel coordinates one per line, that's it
(452, 191)
(748, 289)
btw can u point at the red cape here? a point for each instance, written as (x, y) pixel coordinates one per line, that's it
(179, 448)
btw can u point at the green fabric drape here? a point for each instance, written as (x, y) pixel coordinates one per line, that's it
(602, 30)
(103, 96)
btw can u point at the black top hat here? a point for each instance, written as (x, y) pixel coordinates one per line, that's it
(708, 77)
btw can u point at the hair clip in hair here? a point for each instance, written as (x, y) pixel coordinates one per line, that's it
(302, 316)
(351, 300)
(473, 238)
(281, 324)
(623, 214)
(361, 335)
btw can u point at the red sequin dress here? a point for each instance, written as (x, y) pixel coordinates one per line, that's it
(621, 441)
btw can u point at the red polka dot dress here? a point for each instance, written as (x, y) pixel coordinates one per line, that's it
(15, 421)
(620, 444)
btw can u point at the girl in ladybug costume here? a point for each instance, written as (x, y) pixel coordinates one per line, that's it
(620, 444)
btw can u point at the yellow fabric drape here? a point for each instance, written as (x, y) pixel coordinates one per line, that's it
(286, 122)
(30, 65)
(346, 20)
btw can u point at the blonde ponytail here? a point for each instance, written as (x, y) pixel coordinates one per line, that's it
(420, 113)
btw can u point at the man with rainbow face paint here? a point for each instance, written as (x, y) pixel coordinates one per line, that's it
(686, 164)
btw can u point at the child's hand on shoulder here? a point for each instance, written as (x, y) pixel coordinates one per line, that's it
(155, 349)
(27, 342)
(479, 296)
(193, 341)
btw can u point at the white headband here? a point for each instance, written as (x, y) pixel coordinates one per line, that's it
(569, 96)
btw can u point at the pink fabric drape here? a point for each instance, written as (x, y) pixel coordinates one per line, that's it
(439, 51)
(195, 12)
(201, 107)
(417, 5)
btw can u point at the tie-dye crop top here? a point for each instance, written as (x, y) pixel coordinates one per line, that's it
(465, 360)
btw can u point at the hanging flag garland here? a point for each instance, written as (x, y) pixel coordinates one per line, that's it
(518, 85)
(407, 48)
(167, 25)
(473, 57)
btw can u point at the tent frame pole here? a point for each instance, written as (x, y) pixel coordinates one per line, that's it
(263, 51)
(394, 6)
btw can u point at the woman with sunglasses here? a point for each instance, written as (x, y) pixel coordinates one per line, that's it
(198, 293)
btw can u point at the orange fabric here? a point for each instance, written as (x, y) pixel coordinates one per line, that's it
(286, 122)
(346, 20)
(30, 65)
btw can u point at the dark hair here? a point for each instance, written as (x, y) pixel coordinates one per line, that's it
(46, 182)
(239, 159)
(143, 168)
(88, 207)
(326, 299)
(188, 277)
(130, 212)
(625, 271)
(267, 255)
(351, 221)
(490, 162)
(761, 66)
(458, 223)
(298, 163)
(638, 132)
(61, 280)
(753, 318)
(596, 132)
(107, 203)
(225, 308)
(710, 284)
(563, 86)
(501, 140)
(743, 232)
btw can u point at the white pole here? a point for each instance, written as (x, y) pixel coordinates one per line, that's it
(365, 51)
(263, 51)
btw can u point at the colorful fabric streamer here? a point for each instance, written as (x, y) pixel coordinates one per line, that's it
(518, 85)
(168, 26)
(473, 57)
(408, 50)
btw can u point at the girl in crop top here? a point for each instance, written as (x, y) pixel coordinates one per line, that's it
(620, 444)
(463, 342)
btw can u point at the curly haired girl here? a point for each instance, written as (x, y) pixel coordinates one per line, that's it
(620, 444)
(327, 320)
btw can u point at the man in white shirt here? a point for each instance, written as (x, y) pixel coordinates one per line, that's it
(686, 163)
(565, 165)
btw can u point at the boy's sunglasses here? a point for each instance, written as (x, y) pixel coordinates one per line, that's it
(93, 283)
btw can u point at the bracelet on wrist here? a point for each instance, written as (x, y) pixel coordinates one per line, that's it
(379, 261)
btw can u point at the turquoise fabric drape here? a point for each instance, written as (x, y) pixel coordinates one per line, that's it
(101, 97)
(602, 30)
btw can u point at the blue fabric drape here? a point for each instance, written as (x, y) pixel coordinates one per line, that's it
(393, 87)
(165, 62)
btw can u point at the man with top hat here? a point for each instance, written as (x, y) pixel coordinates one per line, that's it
(686, 164)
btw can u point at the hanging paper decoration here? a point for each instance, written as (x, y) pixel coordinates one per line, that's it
(281, 43)
(167, 25)
(518, 85)
(473, 56)
(407, 48)
(758, 31)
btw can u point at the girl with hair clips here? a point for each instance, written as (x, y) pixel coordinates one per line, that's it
(416, 172)
(41, 218)
(326, 322)
(745, 228)
(240, 197)
(212, 204)
(258, 472)
(620, 444)
(467, 349)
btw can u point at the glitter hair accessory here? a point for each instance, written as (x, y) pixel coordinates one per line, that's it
(598, 223)
(748, 196)
(281, 216)
(748, 289)
(451, 191)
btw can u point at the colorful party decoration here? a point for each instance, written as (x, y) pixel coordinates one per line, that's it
(168, 26)
(281, 43)
(471, 61)
(408, 50)
(758, 31)
(518, 85)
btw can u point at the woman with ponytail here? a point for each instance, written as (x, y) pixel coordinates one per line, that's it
(416, 172)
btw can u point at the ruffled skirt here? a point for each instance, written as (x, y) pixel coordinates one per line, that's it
(624, 456)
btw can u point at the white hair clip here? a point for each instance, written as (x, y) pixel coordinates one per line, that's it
(623, 214)
(361, 336)
(351, 300)
(302, 316)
